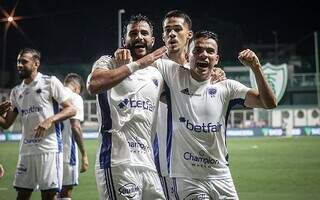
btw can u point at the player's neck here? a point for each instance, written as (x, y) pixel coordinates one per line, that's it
(31, 77)
(178, 57)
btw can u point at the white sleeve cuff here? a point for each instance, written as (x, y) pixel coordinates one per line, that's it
(133, 66)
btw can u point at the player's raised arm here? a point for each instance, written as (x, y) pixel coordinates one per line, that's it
(263, 97)
(105, 79)
(67, 111)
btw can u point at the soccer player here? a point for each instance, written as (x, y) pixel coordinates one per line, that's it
(127, 101)
(72, 138)
(177, 32)
(1, 171)
(37, 101)
(198, 156)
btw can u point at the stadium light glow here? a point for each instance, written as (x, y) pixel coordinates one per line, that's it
(10, 19)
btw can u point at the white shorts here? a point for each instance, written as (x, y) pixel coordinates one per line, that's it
(70, 174)
(128, 183)
(43, 171)
(206, 189)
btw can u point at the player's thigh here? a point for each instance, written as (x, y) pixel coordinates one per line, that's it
(70, 175)
(25, 177)
(50, 171)
(224, 188)
(152, 188)
(118, 183)
(188, 188)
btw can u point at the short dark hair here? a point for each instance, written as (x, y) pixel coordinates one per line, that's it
(74, 78)
(179, 14)
(35, 53)
(203, 34)
(135, 19)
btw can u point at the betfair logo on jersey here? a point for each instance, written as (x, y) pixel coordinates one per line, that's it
(205, 128)
(187, 92)
(135, 103)
(31, 109)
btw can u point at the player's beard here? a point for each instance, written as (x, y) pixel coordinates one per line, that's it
(26, 73)
(136, 56)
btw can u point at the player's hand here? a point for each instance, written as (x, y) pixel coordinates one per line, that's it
(84, 163)
(249, 58)
(122, 56)
(217, 75)
(151, 57)
(1, 171)
(42, 127)
(5, 107)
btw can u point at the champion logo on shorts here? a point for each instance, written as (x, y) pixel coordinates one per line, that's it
(196, 196)
(129, 190)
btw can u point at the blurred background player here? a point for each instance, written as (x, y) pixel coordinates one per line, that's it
(73, 139)
(37, 101)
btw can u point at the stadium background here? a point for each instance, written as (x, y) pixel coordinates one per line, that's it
(73, 34)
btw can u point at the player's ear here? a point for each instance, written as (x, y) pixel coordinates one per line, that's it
(152, 41)
(190, 34)
(123, 42)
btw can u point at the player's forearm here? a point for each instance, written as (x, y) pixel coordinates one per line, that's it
(7, 121)
(64, 114)
(106, 79)
(78, 137)
(3, 123)
(266, 96)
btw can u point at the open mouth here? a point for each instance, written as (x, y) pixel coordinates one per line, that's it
(173, 42)
(139, 46)
(202, 64)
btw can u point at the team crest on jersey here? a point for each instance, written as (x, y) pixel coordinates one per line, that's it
(212, 92)
(38, 91)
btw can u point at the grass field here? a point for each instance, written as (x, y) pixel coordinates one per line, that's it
(264, 168)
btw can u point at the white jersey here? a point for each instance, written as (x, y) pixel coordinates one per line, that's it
(160, 151)
(36, 102)
(70, 149)
(127, 113)
(198, 114)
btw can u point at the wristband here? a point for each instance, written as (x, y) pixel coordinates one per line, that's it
(133, 66)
